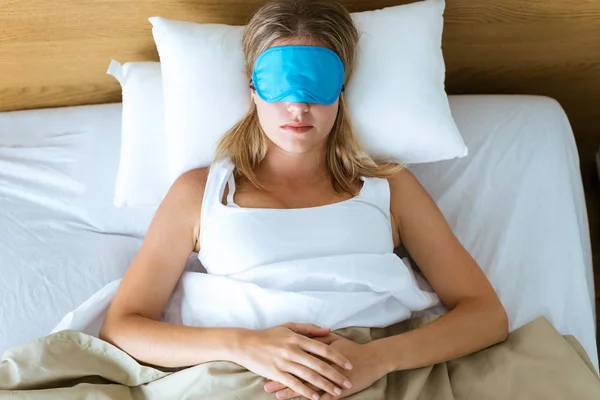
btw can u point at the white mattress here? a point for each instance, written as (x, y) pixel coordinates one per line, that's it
(516, 203)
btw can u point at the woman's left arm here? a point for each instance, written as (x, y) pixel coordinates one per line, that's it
(476, 319)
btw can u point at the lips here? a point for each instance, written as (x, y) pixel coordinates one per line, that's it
(296, 127)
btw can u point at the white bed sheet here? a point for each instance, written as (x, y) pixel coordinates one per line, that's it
(516, 203)
(61, 239)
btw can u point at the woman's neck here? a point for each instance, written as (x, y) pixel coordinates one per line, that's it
(280, 167)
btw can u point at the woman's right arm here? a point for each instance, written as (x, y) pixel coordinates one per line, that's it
(132, 323)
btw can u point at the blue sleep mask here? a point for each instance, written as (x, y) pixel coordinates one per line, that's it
(298, 74)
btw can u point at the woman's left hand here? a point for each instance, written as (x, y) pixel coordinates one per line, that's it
(367, 368)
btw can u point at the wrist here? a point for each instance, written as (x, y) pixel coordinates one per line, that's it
(234, 344)
(386, 356)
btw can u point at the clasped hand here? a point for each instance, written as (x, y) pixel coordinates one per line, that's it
(305, 360)
(291, 355)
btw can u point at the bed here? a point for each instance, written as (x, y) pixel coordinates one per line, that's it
(516, 203)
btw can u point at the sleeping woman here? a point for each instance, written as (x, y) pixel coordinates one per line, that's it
(293, 206)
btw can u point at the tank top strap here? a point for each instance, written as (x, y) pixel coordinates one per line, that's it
(231, 190)
(376, 191)
(218, 175)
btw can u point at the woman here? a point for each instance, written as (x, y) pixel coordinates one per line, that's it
(293, 154)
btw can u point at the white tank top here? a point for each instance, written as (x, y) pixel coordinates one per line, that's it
(233, 239)
(331, 265)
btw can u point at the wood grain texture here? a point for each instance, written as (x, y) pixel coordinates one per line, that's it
(55, 53)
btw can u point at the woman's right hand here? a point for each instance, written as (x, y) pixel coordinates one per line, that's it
(284, 354)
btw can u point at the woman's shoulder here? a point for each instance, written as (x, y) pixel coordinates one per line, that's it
(189, 185)
(194, 178)
(406, 190)
(193, 183)
(401, 178)
(406, 193)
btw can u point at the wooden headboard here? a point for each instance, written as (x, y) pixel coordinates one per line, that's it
(55, 53)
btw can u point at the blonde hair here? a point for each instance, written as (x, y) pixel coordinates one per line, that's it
(329, 23)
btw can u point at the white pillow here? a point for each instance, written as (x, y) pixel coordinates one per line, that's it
(142, 179)
(396, 99)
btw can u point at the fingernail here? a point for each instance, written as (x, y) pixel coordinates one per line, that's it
(347, 384)
(337, 391)
(348, 366)
(315, 396)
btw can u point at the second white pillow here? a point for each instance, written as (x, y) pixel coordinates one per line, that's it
(142, 177)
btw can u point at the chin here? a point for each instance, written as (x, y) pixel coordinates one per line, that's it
(296, 149)
(298, 145)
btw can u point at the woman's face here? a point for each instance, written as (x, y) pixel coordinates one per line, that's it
(296, 127)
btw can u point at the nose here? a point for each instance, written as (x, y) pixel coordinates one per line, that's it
(297, 108)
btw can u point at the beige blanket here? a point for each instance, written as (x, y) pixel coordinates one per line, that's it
(536, 362)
